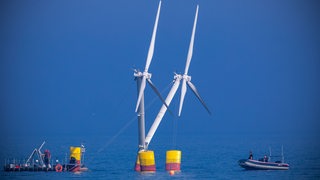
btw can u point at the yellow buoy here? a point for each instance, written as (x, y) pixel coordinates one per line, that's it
(75, 154)
(173, 160)
(147, 162)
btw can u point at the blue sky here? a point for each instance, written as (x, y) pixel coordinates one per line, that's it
(66, 66)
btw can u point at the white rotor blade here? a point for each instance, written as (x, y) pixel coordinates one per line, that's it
(191, 42)
(183, 93)
(158, 93)
(162, 111)
(195, 91)
(151, 47)
(141, 91)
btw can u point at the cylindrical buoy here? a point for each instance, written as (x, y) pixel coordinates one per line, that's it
(75, 154)
(137, 165)
(147, 162)
(173, 160)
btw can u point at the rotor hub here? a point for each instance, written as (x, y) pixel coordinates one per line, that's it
(186, 77)
(177, 77)
(141, 74)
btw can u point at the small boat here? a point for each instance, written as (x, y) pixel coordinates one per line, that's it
(39, 161)
(263, 163)
(251, 164)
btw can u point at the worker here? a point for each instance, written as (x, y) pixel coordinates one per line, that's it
(251, 155)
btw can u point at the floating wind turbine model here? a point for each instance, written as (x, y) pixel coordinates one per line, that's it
(145, 159)
(186, 79)
(142, 78)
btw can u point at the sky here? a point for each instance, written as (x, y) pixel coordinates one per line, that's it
(67, 66)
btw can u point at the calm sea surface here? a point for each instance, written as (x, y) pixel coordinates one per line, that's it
(204, 156)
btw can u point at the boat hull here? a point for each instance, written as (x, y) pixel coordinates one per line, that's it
(250, 164)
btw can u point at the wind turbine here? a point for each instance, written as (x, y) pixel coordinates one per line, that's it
(142, 78)
(186, 79)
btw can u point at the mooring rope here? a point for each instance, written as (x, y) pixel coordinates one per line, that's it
(114, 137)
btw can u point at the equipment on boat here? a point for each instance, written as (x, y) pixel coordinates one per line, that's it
(264, 163)
(40, 157)
(39, 161)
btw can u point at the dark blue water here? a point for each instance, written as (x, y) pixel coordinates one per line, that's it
(204, 156)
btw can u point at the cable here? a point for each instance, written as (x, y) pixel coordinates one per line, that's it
(114, 137)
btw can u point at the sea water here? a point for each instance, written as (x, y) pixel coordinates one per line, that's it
(204, 156)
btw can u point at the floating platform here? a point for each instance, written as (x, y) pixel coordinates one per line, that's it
(56, 168)
(39, 161)
(12, 167)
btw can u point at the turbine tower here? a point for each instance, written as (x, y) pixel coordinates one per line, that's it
(186, 79)
(142, 78)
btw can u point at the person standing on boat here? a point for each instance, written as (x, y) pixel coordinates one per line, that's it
(265, 158)
(251, 155)
(47, 157)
